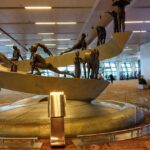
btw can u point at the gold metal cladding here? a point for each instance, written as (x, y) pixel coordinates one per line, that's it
(57, 137)
(57, 101)
(57, 104)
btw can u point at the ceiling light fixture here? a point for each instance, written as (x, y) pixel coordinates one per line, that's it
(137, 22)
(134, 22)
(11, 45)
(38, 7)
(62, 48)
(45, 33)
(55, 23)
(139, 31)
(56, 39)
(45, 23)
(66, 23)
(50, 44)
(4, 40)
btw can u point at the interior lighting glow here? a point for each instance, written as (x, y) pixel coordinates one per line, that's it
(11, 45)
(55, 23)
(38, 7)
(50, 44)
(66, 23)
(45, 33)
(45, 23)
(137, 22)
(56, 39)
(4, 40)
(140, 31)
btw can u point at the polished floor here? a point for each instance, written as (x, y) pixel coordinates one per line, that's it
(125, 91)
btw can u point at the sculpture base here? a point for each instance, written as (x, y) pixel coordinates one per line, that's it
(31, 119)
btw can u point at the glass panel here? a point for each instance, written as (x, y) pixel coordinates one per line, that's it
(122, 65)
(106, 65)
(128, 65)
(113, 65)
(113, 69)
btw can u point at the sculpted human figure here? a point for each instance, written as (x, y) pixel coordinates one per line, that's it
(39, 62)
(6, 61)
(92, 61)
(77, 62)
(101, 35)
(81, 44)
(121, 4)
(115, 20)
(16, 54)
(34, 49)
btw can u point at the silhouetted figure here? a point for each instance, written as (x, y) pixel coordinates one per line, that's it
(16, 54)
(115, 20)
(81, 44)
(121, 4)
(91, 58)
(77, 63)
(111, 78)
(39, 63)
(142, 80)
(34, 49)
(101, 35)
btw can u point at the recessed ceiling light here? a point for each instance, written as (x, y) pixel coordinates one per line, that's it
(10, 45)
(56, 39)
(4, 40)
(134, 22)
(55, 23)
(50, 44)
(139, 31)
(45, 33)
(66, 23)
(37, 7)
(45, 23)
(62, 48)
(137, 22)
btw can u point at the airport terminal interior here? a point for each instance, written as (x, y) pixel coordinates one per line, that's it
(74, 74)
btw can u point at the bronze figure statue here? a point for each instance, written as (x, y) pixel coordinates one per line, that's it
(101, 34)
(8, 62)
(16, 54)
(81, 44)
(39, 62)
(92, 60)
(34, 48)
(121, 4)
(115, 20)
(77, 62)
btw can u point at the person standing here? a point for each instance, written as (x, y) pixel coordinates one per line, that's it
(111, 78)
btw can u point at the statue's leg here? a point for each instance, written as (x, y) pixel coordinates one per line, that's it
(84, 68)
(119, 23)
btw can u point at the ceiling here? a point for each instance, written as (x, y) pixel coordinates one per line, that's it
(20, 23)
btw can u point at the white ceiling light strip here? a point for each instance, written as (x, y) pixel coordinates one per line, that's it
(38, 7)
(5, 40)
(137, 22)
(139, 31)
(55, 23)
(56, 39)
(45, 33)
